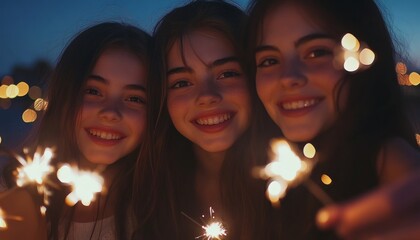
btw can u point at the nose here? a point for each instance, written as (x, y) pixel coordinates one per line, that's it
(292, 76)
(209, 94)
(110, 112)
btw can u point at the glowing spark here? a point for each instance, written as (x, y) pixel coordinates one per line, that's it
(286, 169)
(213, 230)
(84, 184)
(34, 170)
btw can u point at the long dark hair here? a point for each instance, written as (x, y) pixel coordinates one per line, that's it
(374, 112)
(173, 160)
(65, 93)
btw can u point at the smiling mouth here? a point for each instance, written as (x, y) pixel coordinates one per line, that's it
(104, 134)
(214, 120)
(296, 105)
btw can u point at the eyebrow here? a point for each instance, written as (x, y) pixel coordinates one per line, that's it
(311, 37)
(299, 42)
(216, 63)
(222, 61)
(106, 82)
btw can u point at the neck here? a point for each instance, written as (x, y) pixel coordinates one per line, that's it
(207, 177)
(209, 163)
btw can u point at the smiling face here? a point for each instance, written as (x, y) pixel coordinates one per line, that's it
(112, 118)
(208, 98)
(296, 79)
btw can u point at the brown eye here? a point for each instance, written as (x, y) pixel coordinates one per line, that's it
(180, 84)
(228, 74)
(92, 91)
(267, 62)
(319, 53)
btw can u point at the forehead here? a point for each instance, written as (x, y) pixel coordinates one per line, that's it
(120, 66)
(205, 45)
(285, 21)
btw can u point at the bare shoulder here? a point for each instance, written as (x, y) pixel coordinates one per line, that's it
(396, 160)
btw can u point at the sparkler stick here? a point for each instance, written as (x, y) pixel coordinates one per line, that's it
(318, 192)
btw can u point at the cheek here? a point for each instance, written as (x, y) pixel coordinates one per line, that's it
(177, 103)
(263, 86)
(137, 122)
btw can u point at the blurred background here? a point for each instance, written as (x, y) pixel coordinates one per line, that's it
(35, 32)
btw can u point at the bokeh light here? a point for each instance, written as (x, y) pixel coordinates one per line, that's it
(414, 78)
(350, 42)
(351, 64)
(23, 89)
(367, 56)
(5, 103)
(325, 179)
(7, 80)
(12, 91)
(35, 92)
(309, 150)
(29, 116)
(40, 104)
(401, 68)
(3, 89)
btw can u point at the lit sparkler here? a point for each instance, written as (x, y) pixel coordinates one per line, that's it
(213, 230)
(84, 184)
(288, 170)
(35, 171)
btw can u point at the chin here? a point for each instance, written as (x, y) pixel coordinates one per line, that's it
(298, 137)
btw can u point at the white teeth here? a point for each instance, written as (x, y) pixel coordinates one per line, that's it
(213, 120)
(299, 104)
(104, 135)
